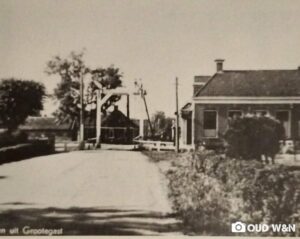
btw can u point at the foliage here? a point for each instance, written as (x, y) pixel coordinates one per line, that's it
(8, 138)
(109, 78)
(162, 126)
(250, 137)
(18, 100)
(210, 192)
(70, 70)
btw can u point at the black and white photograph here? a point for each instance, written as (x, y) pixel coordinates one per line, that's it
(150, 118)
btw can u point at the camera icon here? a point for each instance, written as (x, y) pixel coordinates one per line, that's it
(238, 227)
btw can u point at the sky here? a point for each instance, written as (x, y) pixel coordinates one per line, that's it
(152, 40)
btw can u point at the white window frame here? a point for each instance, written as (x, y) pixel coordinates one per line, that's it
(229, 111)
(217, 124)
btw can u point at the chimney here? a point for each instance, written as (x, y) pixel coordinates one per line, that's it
(116, 108)
(219, 63)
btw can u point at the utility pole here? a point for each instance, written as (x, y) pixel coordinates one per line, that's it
(98, 120)
(81, 142)
(142, 93)
(177, 119)
(146, 107)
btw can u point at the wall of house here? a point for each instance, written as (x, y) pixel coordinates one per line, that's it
(222, 117)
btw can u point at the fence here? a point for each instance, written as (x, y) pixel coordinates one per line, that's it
(155, 145)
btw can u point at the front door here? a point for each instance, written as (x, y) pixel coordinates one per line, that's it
(284, 117)
(189, 131)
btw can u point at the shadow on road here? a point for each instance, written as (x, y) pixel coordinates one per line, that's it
(90, 221)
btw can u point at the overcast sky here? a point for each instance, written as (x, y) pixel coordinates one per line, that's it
(155, 40)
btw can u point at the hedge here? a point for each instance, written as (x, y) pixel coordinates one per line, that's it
(23, 151)
(12, 138)
(210, 192)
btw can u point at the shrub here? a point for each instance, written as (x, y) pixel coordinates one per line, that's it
(210, 192)
(8, 138)
(251, 137)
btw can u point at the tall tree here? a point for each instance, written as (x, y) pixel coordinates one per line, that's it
(18, 100)
(109, 78)
(70, 70)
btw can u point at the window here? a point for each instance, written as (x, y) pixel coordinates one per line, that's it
(260, 113)
(234, 113)
(210, 123)
(111, 133)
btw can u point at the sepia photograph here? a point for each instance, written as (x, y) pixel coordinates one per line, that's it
(150, 118)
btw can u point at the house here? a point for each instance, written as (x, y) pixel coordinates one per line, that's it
(116, 128)
(234, 93)
(37, 127)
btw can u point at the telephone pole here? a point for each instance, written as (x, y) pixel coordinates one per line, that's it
(81, 140)
(177, 119)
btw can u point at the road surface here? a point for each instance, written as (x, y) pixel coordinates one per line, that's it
(104, 192)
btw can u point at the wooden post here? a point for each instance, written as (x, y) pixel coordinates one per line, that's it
(177, 118)
(98, 120)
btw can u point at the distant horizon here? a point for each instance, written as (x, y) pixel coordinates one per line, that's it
(152, 40)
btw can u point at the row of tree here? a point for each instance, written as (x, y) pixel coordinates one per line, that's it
(71, 71)
(22, 98)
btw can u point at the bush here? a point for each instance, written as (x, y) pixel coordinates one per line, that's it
(251, 137)
(210, 192)
(8, 138)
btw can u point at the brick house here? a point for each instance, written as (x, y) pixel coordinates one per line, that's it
(240, 92)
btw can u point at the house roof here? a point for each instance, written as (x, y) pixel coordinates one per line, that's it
(276, 83)
(187, 107)
(117, 119)
(43, 123)
(201, 79)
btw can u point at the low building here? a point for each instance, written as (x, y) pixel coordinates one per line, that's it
(230, 93)
(39, 127)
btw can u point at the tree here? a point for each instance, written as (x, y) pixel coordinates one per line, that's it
(162, 126)
(18, 100)
(70, 70)
(109, 78)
